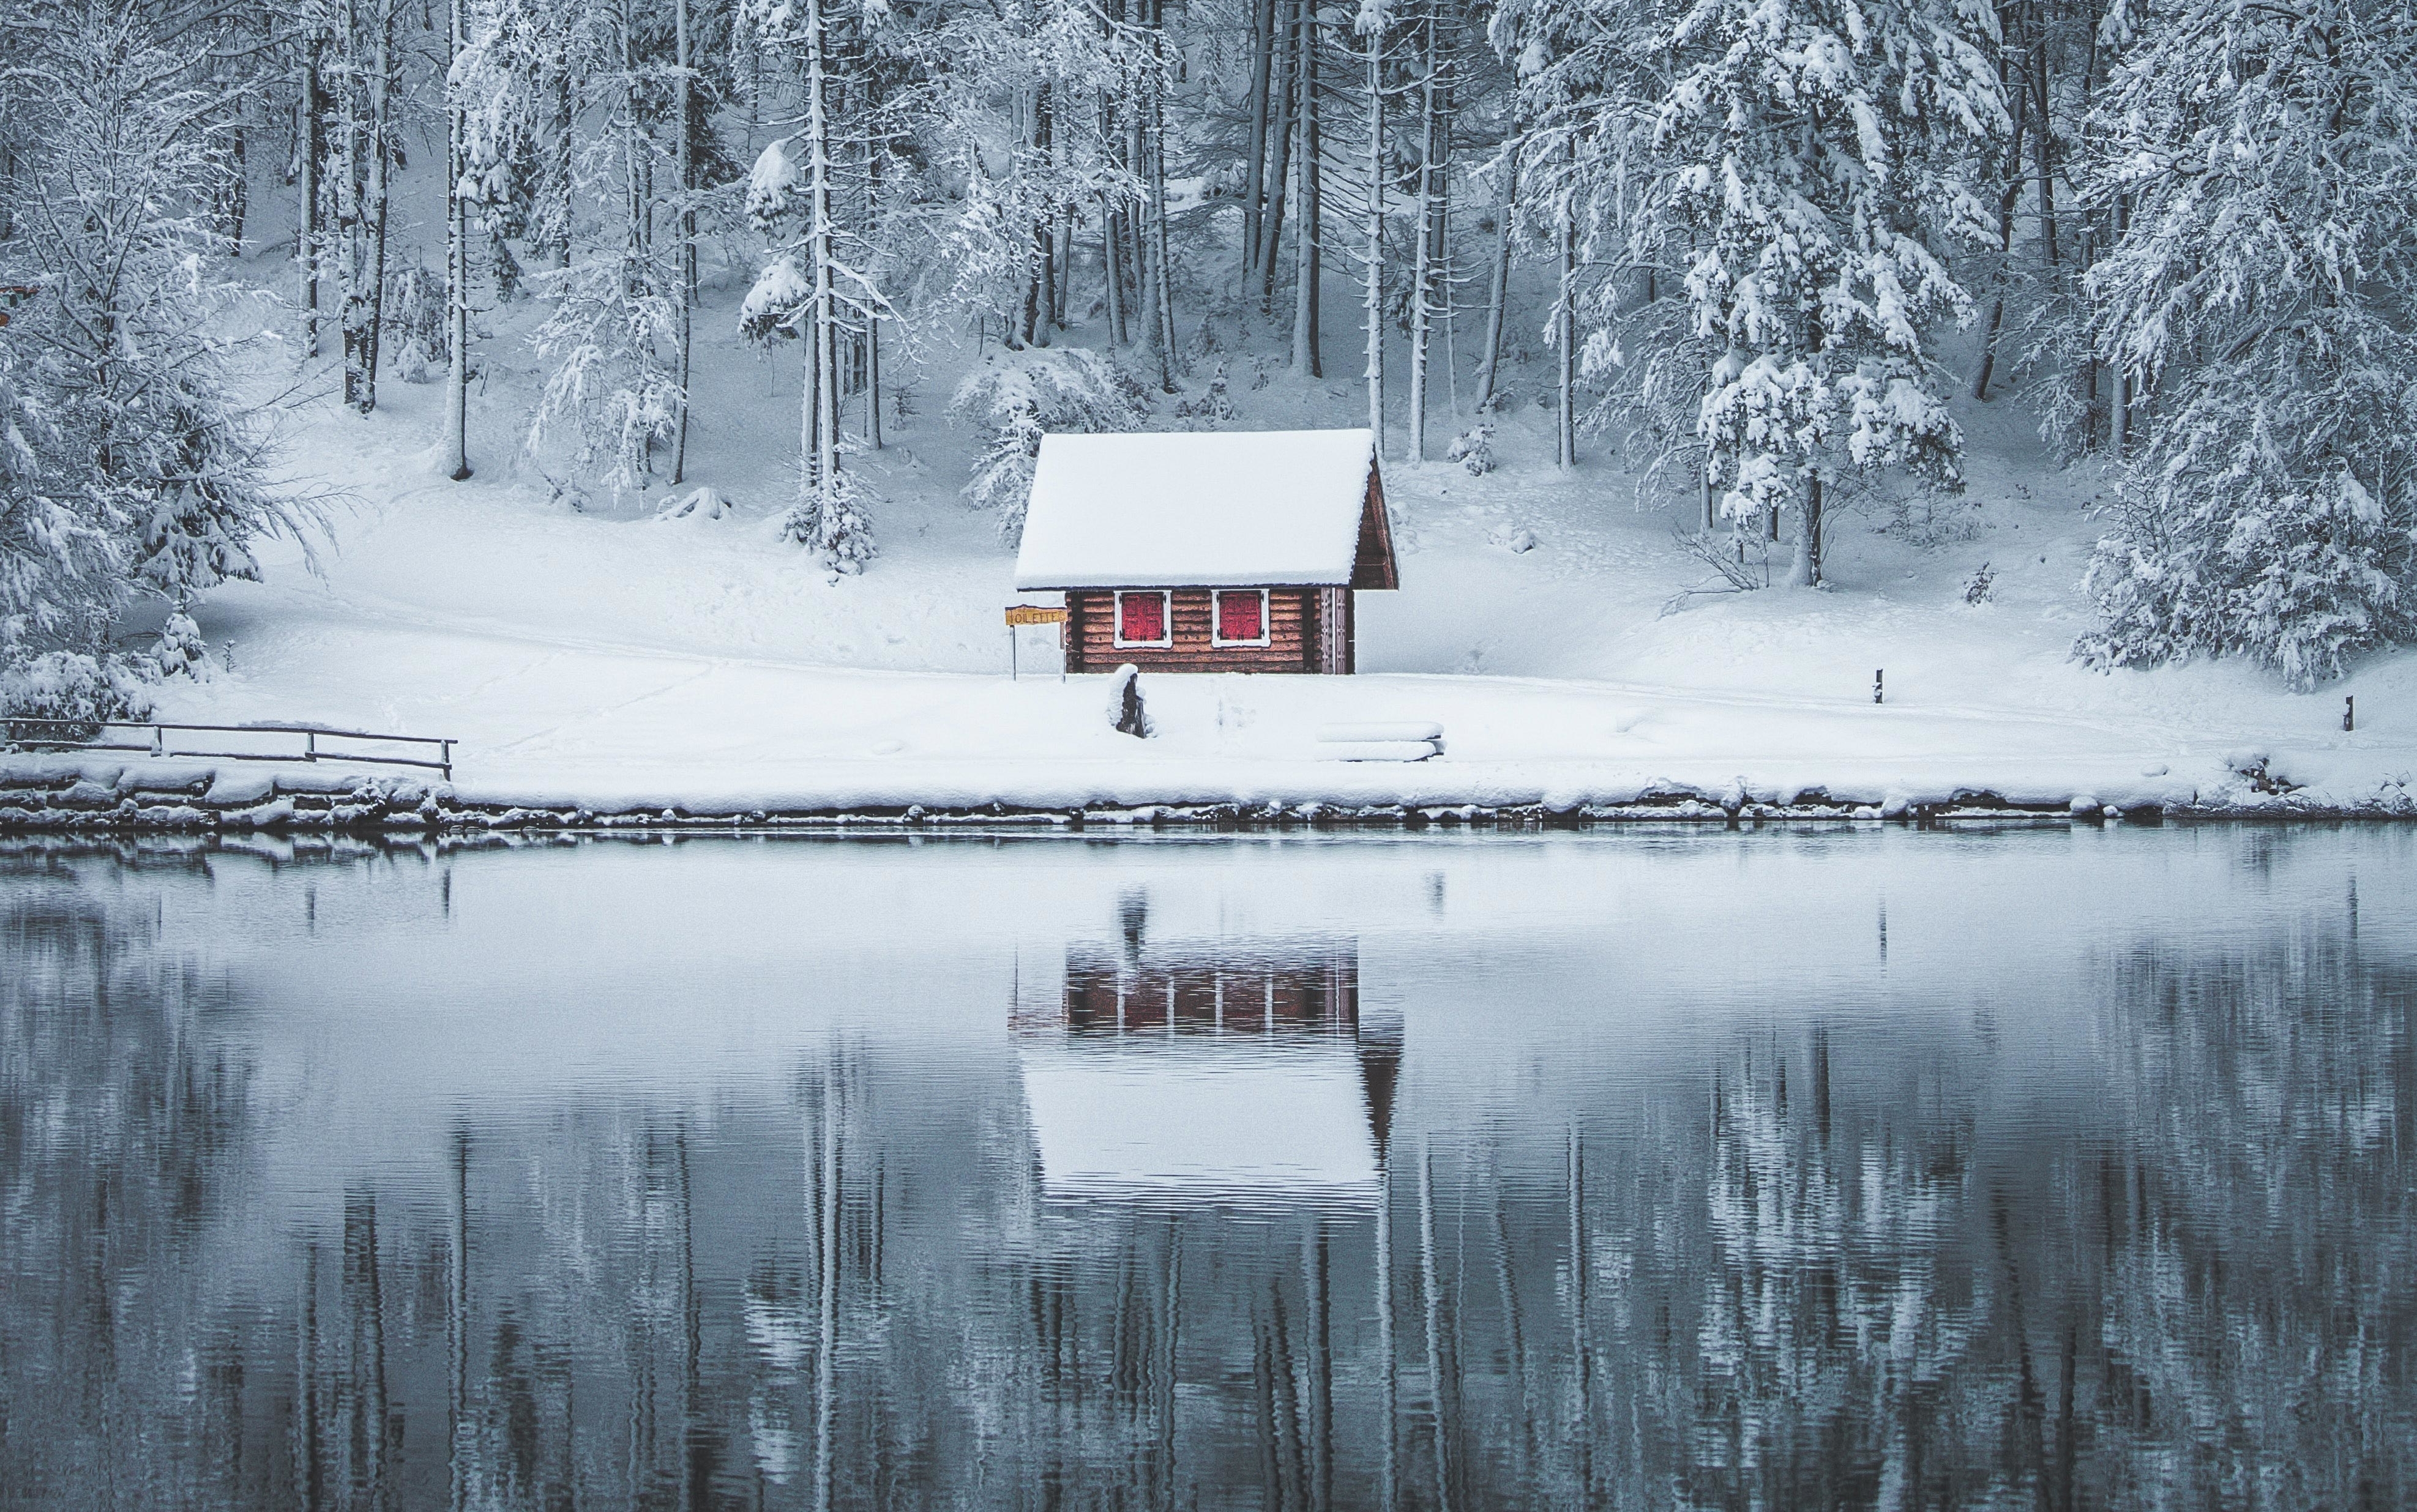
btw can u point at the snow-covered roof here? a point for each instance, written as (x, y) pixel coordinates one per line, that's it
(1195, 509)
(1199, 1117)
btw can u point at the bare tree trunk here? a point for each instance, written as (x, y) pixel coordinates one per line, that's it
(1112, 273)
(1162, 307)
(1288, 13)
(1806, 572)
(1372, 299)
(457, 267)
(381, 164)
(2042, 140)
(1565, 330)
(238, 184)
(352, 266)
(684, 63)
(1254, 172)
(1306, 229)
(872, 382)
(1431, 188)
(314, 134)
(1498, 293)
(2006, 201)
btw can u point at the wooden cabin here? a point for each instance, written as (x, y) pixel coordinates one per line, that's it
(1208, 551)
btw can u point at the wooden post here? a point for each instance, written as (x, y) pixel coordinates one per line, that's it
(2349, 713)
(1876, 684)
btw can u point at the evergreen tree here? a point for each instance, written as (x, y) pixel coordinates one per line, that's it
(126, 460)
(1817, 155)
(2266, 160)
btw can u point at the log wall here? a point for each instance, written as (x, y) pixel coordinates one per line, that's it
(1292, 636)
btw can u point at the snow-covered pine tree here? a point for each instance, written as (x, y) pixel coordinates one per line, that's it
(611, 331)
(1816, 156)
(2262, 295)
(817, 286)
(126, 460)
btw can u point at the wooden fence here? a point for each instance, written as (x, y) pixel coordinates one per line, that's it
(96, 733)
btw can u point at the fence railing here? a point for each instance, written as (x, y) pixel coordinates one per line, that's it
(12, 729)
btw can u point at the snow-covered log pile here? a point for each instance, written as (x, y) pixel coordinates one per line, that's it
(1397, 741)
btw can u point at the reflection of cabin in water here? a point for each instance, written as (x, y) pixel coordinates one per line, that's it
(1210, 1069)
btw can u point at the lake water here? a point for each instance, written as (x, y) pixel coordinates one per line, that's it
(2029, 1168)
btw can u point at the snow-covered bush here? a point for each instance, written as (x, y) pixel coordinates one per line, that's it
(414, 324)
(1215, 406)
(1473, 448)
(80, 690)
(1019, 397)
(180, 651)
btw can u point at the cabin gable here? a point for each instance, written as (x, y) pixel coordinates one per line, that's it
(1372, 563)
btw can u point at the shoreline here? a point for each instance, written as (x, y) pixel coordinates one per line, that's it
(71, 797)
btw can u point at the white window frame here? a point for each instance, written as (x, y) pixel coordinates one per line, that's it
(1166, 618)
(1266, 622)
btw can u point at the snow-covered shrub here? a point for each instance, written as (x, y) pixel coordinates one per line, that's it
(1980, 586)
(414, 324)
(769, 311)
(80, 690)
(1019, 397)
(836, 521)
(1473, 448)
(1215, 405)
(180, 651)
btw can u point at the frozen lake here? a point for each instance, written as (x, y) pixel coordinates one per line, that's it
(2037, 1167)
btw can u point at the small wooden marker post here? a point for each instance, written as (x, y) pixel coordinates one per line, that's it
(1019, 615)
(1876, 683)
(2349, 714)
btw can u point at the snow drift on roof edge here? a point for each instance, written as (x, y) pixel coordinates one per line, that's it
(1178, 510)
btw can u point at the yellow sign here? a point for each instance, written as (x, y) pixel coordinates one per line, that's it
(1034, 614)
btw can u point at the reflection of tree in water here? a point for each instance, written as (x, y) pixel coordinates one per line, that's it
(120, 1128)
(1853, 1266)
(2258, 1238)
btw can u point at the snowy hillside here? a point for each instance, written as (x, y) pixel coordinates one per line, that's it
(610, 657)
(672, 249)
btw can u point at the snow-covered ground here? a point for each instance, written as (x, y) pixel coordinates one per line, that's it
(603, 657)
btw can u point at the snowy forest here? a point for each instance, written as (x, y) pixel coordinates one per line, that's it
(1769, 251)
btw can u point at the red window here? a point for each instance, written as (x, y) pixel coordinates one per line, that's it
(1141, 619)
(1242, 616)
